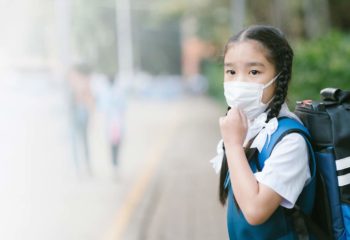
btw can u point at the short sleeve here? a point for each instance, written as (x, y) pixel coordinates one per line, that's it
(287, 169)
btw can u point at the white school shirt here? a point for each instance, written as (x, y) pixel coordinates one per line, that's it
(287, 170)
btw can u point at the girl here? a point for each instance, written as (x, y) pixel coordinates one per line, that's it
(257, 71)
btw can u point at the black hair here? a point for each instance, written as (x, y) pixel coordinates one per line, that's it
(280, 54)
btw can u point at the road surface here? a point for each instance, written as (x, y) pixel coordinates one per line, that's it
(164, 187)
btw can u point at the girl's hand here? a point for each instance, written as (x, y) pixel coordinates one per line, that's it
(233, 127)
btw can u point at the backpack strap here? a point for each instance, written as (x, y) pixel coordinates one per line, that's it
(286, 126)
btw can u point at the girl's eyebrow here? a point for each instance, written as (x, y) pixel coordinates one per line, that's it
(253, 64)
(228, 64)
(249, 64)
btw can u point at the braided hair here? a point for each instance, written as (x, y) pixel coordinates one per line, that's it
(280, 54)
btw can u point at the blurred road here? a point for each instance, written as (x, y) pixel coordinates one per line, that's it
(164, 187)
(180, 201)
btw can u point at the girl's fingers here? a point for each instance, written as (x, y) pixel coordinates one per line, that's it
(221, 120)
(243, 118)
(235, 114)
(233, 111)
(239, 112)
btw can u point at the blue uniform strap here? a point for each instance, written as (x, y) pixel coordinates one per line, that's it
(286, 126)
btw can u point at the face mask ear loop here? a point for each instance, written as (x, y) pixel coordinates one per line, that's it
(266, 86)
(272, 81)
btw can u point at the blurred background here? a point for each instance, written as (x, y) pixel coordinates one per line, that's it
(109, 109)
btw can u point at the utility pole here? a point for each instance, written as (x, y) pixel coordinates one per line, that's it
(62, 9)
(316, 17)
(238, 9)
(124, 42)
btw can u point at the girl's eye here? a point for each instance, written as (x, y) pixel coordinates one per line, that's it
(231, 72)
(254, 72)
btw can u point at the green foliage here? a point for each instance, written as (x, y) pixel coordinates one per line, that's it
(213, 23)
(157, 44)
(318, 63)
(93, 34)
(213, 70)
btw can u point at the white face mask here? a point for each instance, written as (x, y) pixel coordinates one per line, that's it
(247, 96)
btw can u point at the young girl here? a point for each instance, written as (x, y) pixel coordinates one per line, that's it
(257, 71)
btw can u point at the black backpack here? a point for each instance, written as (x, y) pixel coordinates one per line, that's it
(328, 122)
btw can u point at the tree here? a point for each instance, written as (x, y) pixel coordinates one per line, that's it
(94, 34)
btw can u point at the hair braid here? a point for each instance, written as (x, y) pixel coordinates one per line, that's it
(223, 192)
(281, 83)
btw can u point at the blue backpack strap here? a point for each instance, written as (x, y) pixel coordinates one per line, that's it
(286, 126)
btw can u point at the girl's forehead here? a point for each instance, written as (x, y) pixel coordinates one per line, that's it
(246, 51)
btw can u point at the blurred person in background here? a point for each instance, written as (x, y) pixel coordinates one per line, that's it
(116, 122)
(82, 104)
(110, 107)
